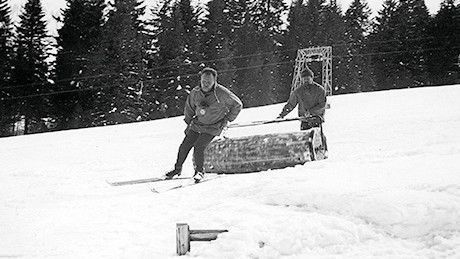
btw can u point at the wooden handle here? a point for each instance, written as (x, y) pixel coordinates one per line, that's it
(182, 238)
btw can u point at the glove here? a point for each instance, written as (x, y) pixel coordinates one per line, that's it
(224, 123)
(189, 120)
(305, 116)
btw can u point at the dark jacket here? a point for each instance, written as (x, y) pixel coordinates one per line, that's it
(311, 99)
(210, 112)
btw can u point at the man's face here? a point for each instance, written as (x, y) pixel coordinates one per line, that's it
(308, 79)
(207, 82)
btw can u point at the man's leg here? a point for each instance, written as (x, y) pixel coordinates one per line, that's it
(306, 126)
(323, 139)
(184, 148)
(198, 152)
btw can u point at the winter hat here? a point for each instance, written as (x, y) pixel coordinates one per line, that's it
(208, 70)
(307, 72)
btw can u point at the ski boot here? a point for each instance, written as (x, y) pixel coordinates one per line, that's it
(198, 176)
(172, 173)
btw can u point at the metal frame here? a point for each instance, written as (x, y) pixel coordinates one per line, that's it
(304, 56)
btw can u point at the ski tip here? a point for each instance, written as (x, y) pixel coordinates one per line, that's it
(111, 183)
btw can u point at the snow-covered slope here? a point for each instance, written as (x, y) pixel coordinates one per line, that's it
(391, 188)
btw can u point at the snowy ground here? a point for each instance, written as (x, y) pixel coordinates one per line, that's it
(390, 189)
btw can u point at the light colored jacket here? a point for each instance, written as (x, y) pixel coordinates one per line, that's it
(210, 112)
(311, 99)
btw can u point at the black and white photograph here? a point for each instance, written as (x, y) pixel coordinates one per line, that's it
(230, 129)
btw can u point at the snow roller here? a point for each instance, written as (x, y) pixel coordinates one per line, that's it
(263, 152)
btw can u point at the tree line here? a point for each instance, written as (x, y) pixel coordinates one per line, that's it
(123, 62)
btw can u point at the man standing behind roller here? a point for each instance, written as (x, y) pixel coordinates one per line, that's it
(208, 109)
(311, 98)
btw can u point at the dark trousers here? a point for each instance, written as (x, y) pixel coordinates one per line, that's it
(199, 141)
(308, 125)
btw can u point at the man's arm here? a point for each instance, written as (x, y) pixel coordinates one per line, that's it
(320, 104)
(235, 106)
(290, 105)
(189, 109)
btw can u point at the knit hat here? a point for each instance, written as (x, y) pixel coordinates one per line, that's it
(208, 70)
(307, 72)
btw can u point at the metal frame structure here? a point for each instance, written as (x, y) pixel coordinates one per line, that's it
(304, 56)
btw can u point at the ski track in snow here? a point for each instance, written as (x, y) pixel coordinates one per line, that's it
(390, 188)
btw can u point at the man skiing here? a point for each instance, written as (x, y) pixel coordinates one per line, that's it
(311, 98)
(208, 109)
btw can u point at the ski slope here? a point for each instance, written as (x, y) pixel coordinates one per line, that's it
(390, 188)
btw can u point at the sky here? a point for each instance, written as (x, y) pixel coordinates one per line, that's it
(389, 189)
(53, 7)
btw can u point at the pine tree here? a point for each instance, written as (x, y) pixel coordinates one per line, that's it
(357, 19)
(445, 44)
(30, 66)
(333, 33)
(245, 47)
(383, 41)
(79, 35)
(295, 23)
(163, 49)
(313, 16)
(120, 60)
(304, 28)
(332, 24)
(266, 15)
(358, 25)
(177, 49)
(257, 35)
(186, 28)
(6, 34)
(6, 52)
(291, 42)
(412, 32)
(217, 41)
